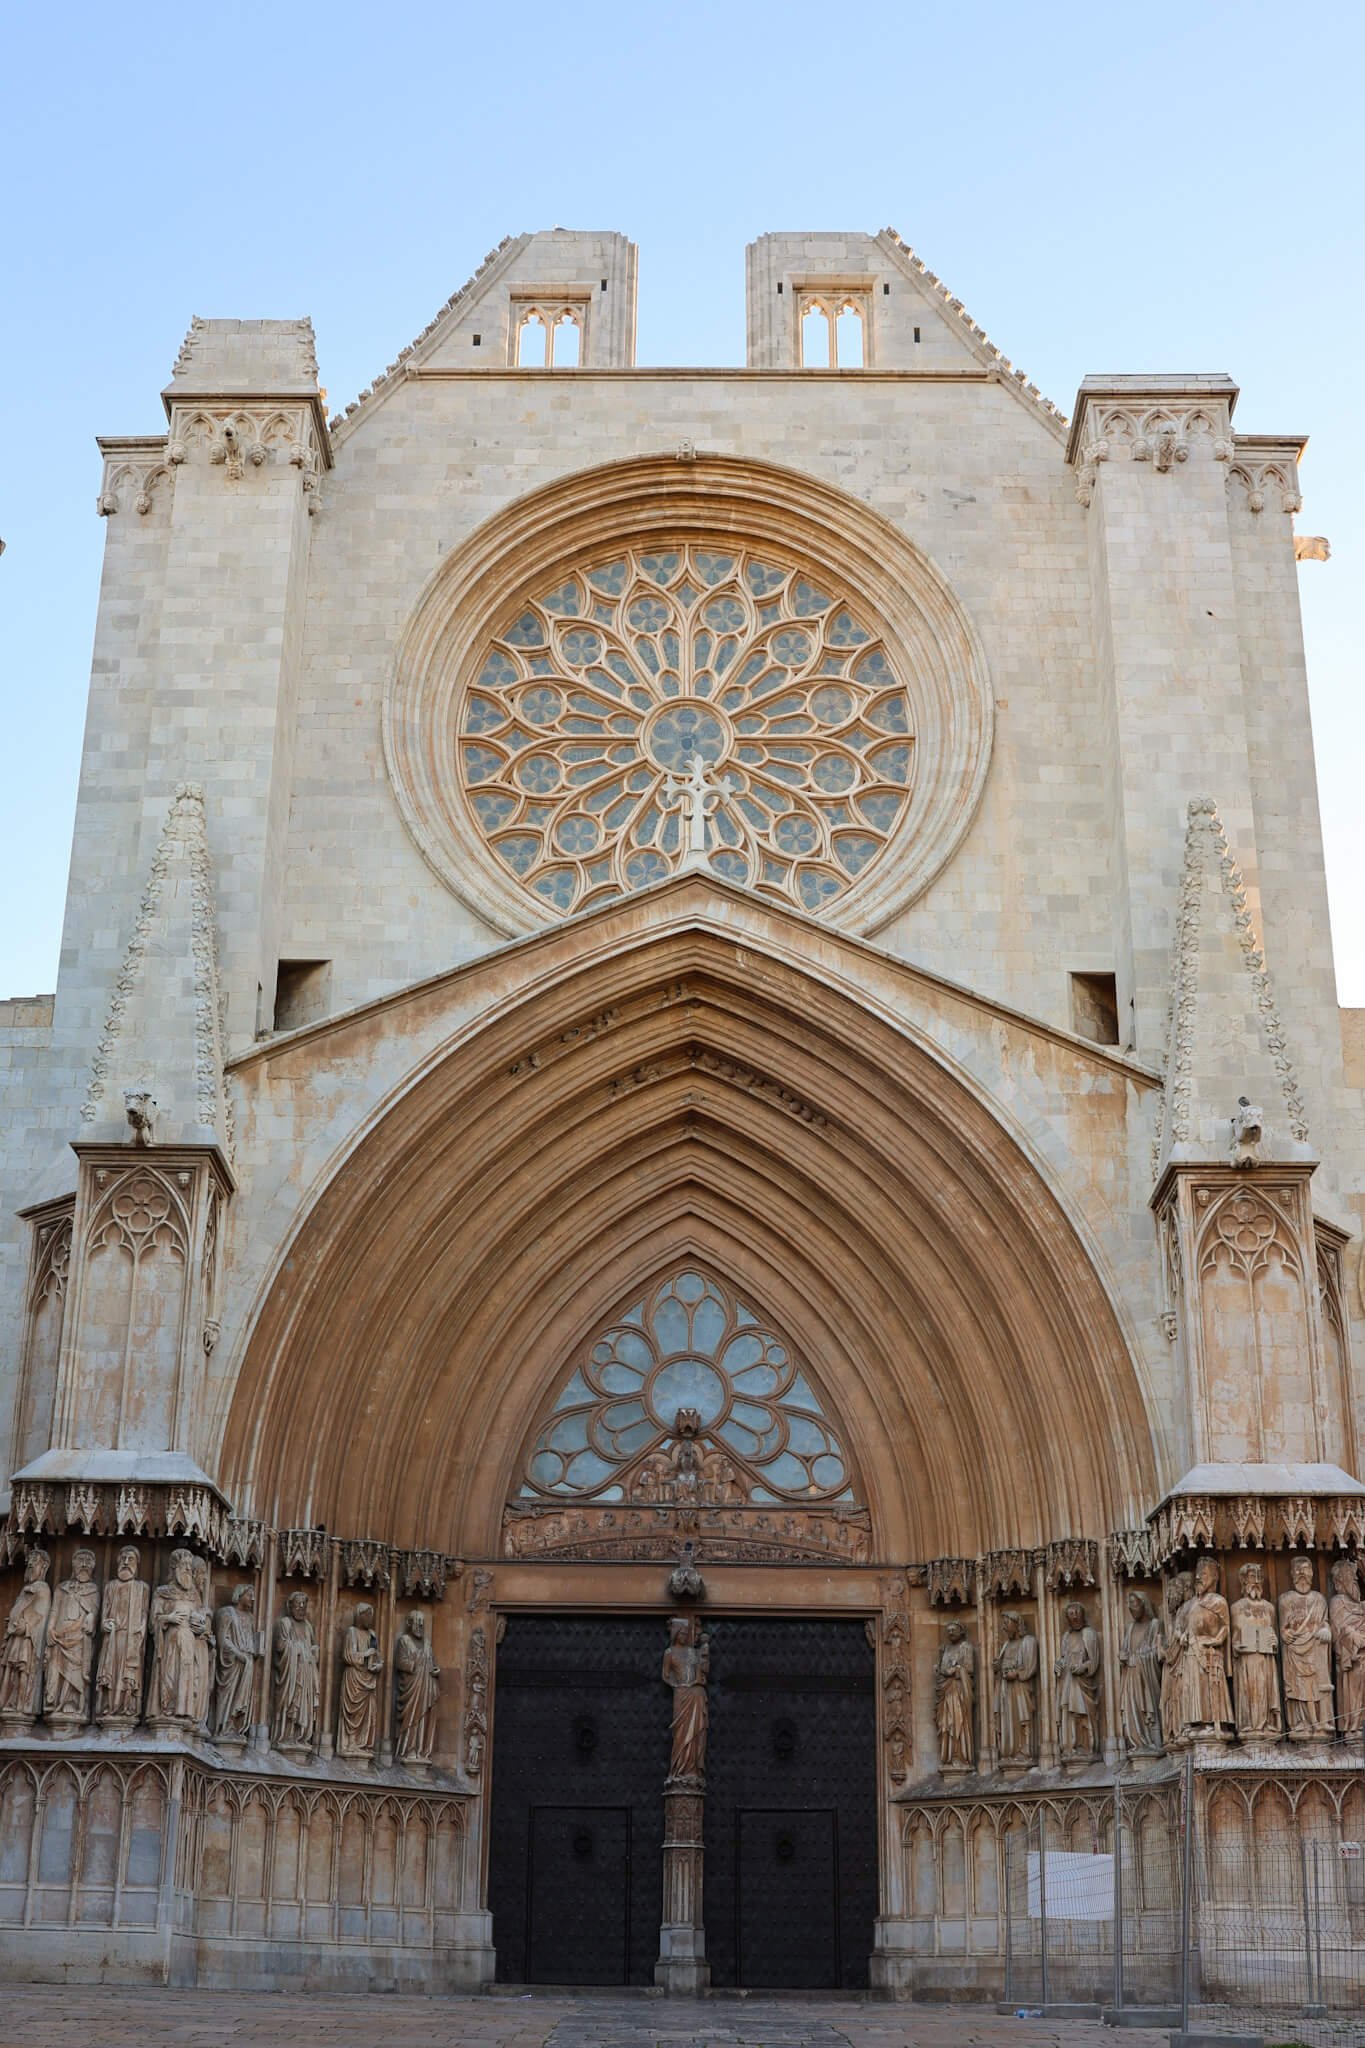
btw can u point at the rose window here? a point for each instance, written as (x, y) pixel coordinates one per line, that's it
(624, 674)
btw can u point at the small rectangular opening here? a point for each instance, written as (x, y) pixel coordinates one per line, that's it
(779, 290)
(604, 284)
(478, 341)
(303, 993)
(1095, 1008)
(917, 334)
(886, 291)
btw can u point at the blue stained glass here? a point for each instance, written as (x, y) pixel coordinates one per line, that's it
(711, 568)
(483, 715)
(844, 631)
(619, 666)
(643, 868)
(647, 614)
(807, 600)
(660, 568)
(577, 834)
(580, 647)
(649, 655)
(791, 648)
(796, 835)
(605, 614)
(724, 655)
(827, 1471)
(520, 850)
(832, 703)
(890, 715)
(570, 1433)
(587, 1469)
(834, 773)
(774, 871)
(892, 763)
(619, 812)
(726, 614)
(733, 866)
(539, 773)
(566, 602)
(529, 631)
(853, 851)
(631, 1346)
(799, 1393)
(541, 665)
(481, 763)
(816, 887)
(761, 578)
(671, 1325)
(687, 593)
(557, 887)
(793, 725)
(611, 579)
(806, 1435)
(497, 672)
(493, 811)
(787, 1472)
(575, 1390)
(611, 684)
(618, 1378)
(756, 816)
(874, 669)
(753, 1417)
(687, 1383)
(621, 1414)
(541, 705)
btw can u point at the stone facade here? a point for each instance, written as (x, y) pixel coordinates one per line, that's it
(829, 846)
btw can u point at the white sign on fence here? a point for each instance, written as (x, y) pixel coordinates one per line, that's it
(1078, 1887)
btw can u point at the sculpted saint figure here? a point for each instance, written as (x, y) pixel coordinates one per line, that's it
(21, 1653)
(358, 1704)
(1347, 1614)
(1141, 1670)
(70, 1647)
(1179, 1593)
(234, 1629)
(123, 1640)
(418, 1677)
(1078, 1688)
(1208, 1661)
(1305, 1644)
(1016, 1692)
(687, 1665)
(955, 1700)
(1255, 1673)
(294, 1692)
(181, 1629)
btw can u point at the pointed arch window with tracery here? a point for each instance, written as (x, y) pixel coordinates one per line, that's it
(688, 1417)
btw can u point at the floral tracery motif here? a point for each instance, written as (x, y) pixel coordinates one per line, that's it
(688, 1397)
(620, 673)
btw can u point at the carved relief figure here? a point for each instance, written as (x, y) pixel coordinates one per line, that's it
(70, 1649)
(234, 1628)
(358, 1703)
(1016, 1692)
(1077, 1672)
(1141, 1671)
(203, 1648)
(418, 1678)
(181, 1628)
(123, 1642)
(1208, 1661)
(1255, 1672)
(1179, 1593)
(1347, 1616)
(1305, 1643)
(21, 1653)
(686, 1667)
(294, 1673)
(955, 1700)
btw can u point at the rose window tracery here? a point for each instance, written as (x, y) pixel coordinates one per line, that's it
(689, 1397)
(615, 677)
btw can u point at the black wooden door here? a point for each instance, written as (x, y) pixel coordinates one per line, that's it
(580, 1751)
(791, 1815)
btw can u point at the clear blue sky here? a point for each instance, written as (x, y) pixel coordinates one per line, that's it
(1176, 187)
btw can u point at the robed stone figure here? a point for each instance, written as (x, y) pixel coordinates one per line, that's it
(1015, 1665)
(1255, 1667)
(70, 1648)
(1306, 1651)
(294, 1678)
(358, 1701)
(21, 1653)
(1179, 1593)
(123, 1643)
(686, 1668)
(417, 1688)
(234, 1630)
(1077, 1672)
(1141, 1668)
(182, 1634)
(1208, 1658)
(955, 1700)
(1347, 1615)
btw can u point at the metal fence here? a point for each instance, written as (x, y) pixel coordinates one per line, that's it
(1137, 1913)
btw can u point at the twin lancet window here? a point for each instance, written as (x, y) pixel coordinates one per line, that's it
(833, 330)
(548, 337)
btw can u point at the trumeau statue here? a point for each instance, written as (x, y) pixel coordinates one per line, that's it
(182, 1633)
(686, 1667)
(417, 1678)
(1078, 1688)
(294, 1691)
(234, 1628)
(1255, 1671)
(1347, 1615)
(70, 1647)
(1179, 1594)
(1016, 1692)
(1305, 1645)
(955, 1700)
(1207, 1661)
(358, 1701)
(1141, 1669)
(21, 1653)
(123, 1643)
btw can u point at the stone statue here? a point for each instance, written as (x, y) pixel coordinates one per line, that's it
(1248, 1123)
(203, 1648)
(1305, 1646)
(955, 1700)
(294, 1671)
(181, 1630)
(1255, 1671)
(1179, 1593)
(21, 1653)
(123, 1642)
(70, 1649)
(1016, 1692)
(358, 1701)
(234, 1628)
(686, 1667)
(1141, 1670)
(418, 1686)
(1347, 1615)
(1077, 1672)
(1207, 1664)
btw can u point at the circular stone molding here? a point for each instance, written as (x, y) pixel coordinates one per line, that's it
(581, 652)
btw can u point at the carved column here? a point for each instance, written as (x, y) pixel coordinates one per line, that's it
(682, 1966)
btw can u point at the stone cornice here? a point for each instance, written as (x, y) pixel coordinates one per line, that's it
(1266, 467)
(1142, 400)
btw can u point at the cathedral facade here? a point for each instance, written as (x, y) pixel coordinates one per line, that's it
(682, 1245)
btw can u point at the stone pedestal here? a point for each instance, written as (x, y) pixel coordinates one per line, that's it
(682, 1967)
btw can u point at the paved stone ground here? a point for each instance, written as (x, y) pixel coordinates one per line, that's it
(85, 2016)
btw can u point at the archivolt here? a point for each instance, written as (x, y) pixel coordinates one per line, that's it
(670, 1102)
